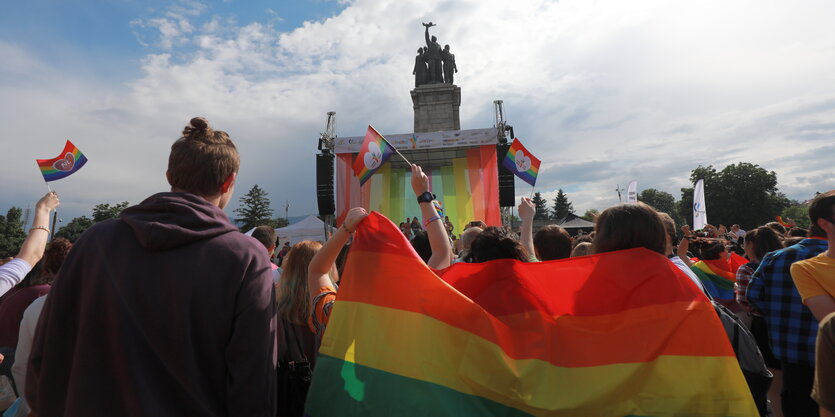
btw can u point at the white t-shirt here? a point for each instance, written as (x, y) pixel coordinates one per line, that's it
(686, 269)
(12, 273)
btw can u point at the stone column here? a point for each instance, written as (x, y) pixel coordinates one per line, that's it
(436, 107)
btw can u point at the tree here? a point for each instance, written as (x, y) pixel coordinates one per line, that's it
(11, 232)
(661, 201)
(541, 206)
(255, 209)
(799, 212)
(105, 211)
(742, 193)
(591, 215)
(73, 230)
(562, 207)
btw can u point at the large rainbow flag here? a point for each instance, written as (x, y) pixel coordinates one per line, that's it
(467, 189)
(718, 276)
(616, 334)
(68, 162)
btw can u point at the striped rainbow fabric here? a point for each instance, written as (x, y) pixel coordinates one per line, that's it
(468, 189)
(521, 162)
(68, 162)
(579, 337)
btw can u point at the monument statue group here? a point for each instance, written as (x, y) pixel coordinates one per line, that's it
(433, 65)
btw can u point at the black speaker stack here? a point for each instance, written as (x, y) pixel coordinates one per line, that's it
(324, 184)
(507, 181)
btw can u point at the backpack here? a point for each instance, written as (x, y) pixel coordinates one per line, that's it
(748, 355)
(295, 367)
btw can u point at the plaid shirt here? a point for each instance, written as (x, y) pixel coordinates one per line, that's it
(791, 326)
(743, 277)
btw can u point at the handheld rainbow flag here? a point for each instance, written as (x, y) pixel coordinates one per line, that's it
(521, 162)
(614, 336)
(374, 153)
(68, 162)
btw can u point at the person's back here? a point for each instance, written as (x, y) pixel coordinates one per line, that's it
(166, 311)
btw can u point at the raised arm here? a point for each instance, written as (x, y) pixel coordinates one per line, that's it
(526, 213)
(432, 222)
(33, 247)
(320, 265)
(426, 35)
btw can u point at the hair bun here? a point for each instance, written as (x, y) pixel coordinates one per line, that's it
(198, 126)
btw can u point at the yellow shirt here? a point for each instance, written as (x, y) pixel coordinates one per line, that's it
(814, 276)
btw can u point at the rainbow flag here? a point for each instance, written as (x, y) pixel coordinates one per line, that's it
(506, 338)
(374, 153)
(68, 162)
(521, 162)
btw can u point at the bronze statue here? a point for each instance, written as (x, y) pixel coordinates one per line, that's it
(448, 59)
(419, 71)
(433, 57)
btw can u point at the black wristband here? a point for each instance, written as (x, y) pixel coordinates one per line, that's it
(426, 197)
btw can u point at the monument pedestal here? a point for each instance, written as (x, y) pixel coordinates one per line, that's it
(436, 107)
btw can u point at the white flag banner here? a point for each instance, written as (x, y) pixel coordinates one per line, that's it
(699, 207)
(632, 192)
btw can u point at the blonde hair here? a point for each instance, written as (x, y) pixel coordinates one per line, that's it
(292, 297)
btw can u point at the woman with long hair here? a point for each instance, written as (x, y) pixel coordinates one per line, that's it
(296, 341)
(759, 242)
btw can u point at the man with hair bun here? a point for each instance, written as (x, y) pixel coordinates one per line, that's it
(165, 311)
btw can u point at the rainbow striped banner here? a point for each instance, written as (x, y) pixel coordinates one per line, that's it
(505, 338)
(374, 153)
(521, 162)
(68, 162)
(467, 189)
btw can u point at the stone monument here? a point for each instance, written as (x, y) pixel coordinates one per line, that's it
(435, 98)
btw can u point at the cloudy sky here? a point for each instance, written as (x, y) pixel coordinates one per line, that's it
(603, 92)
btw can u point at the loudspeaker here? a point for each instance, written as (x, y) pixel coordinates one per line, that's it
(324, 184)
(507, 181)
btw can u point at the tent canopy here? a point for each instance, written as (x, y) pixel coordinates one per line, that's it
(310, 228)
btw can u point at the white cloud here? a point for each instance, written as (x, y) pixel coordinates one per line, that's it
(603, 92)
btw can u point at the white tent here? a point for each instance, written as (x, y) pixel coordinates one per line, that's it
(310, 228)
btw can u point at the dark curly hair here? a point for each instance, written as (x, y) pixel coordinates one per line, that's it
(496, 243)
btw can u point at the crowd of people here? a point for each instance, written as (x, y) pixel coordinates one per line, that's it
(170, 310)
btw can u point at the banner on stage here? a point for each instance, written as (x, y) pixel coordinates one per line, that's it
(425, 140)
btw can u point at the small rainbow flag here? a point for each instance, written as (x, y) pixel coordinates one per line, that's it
(374, 153)
(521, 162)
(70, 160)
(614, 336)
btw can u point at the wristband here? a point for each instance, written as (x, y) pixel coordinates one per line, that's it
(431, 219)
(345, 228)
(39, 228)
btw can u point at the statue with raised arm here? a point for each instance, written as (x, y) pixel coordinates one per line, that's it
(433, 56)
(448, 59)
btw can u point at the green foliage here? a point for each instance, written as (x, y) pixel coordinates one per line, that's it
(541, 206)
(591, 215)
(742, 193)
(798, 212)
(562, 207)
(255, 209)
(105, 211)
(101, 212)
(11, 232)
(73, 230)
(661, 201)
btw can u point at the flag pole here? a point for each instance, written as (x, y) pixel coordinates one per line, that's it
(392, 146)
(532, 188)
